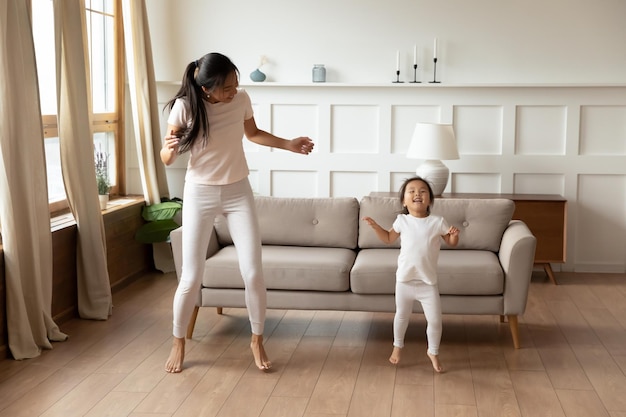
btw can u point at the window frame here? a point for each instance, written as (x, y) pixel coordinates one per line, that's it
(104, 121)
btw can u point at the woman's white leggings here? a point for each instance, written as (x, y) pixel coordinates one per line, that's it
(428, 296)
(201, 205)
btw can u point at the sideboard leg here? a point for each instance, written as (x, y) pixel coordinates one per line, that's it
(549, 273)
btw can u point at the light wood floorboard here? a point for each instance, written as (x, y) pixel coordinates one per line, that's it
(572, 361)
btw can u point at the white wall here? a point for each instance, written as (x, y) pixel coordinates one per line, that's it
(480, 41)
(517, 131)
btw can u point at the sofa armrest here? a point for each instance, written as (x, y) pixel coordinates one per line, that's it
(517, 257)
(176, 240)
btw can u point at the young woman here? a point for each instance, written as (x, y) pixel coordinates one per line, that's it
(416, 276)
(209, 117)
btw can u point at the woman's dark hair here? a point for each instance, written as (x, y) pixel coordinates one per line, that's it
(403, 190)
(209, 72)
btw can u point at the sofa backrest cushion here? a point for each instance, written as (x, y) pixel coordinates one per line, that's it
(481, 222)
(322, 222)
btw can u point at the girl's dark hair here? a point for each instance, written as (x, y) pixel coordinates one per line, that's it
(403, 190)
(209, 72)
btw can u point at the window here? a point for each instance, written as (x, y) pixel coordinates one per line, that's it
(105, 61)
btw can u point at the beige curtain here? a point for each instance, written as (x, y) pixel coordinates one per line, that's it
(24, 214)
(77, 159)
(143, 98)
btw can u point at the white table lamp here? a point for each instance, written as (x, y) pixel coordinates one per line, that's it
(433, 143)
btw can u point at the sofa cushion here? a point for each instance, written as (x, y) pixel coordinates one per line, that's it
(384, 211)
(481, 221)
(459, 272)
(324, 222)
(285, 268)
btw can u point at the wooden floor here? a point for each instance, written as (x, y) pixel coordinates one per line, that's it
(572, 361)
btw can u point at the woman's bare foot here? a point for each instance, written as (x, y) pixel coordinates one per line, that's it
(395, 355)
(174, 363)
(435, 360)
(258, 351)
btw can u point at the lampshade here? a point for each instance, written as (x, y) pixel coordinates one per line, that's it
(432, 143)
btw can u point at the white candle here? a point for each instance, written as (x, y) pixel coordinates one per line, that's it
(397, 60)
(435, 49)
(414, 54)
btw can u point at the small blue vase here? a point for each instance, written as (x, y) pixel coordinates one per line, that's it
(257, 76)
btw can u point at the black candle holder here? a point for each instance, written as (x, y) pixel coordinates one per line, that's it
(415, 74)
(397, 77)
(434, 81)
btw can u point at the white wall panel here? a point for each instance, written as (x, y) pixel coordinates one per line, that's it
(293, 183)
(292, 120)
(478, 129)
(474, 183)
(603, 130)
(600, 223)
(255, 182)
(540, 130)
(355, 129)
(352, 184)
(404, 119)
(539, 184)
(398, 178)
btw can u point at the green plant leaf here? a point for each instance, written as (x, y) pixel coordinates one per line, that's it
(161, 211)
(156, 231)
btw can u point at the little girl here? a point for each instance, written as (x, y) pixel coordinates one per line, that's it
(416, 276)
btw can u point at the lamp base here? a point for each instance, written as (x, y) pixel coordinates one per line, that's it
(435, 173)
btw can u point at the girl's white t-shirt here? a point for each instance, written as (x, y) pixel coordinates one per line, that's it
(222, 160)
(419, 250)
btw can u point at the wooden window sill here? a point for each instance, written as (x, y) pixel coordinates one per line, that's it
(62, 221)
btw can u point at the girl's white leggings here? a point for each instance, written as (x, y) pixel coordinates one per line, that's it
(201, 204)
(428, 296)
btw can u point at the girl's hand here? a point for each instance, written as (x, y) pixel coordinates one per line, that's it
(453, 231)
(370, 221)
(303, 145)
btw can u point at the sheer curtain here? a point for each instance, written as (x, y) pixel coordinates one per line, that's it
(77, 159)
(143, 99)
(24, 214)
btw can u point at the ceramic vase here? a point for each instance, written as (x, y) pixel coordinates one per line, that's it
(257, 76)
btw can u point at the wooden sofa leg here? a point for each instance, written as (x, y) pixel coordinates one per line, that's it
(514, 331)
(192, 322)
(219, 310)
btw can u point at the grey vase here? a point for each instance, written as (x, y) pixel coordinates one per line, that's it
(257, 76)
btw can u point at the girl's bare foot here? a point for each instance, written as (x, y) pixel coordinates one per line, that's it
(435, 360)
(174, 363)
(395, 355)
(258, 351)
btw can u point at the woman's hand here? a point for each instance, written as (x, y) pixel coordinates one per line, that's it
(303, 145)
(169, 151)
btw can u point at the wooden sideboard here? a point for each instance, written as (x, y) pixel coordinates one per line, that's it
(545, 215)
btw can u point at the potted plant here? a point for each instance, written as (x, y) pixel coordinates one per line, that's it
(161, 218)
(102, 178)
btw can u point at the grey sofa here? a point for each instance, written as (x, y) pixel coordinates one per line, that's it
(318, 254)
